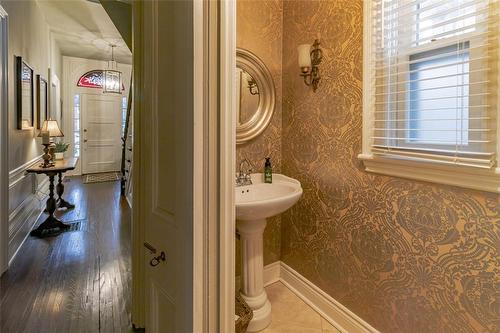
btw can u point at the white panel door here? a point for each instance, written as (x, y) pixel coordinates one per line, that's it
(101, 124)
(164, 172)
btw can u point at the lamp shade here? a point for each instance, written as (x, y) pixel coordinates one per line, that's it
(52, 127)
(304, 55)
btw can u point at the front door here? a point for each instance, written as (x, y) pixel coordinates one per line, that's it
(101, 123)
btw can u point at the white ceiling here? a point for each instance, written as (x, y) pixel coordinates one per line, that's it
(83, 29)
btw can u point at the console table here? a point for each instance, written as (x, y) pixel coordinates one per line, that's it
(60, 167)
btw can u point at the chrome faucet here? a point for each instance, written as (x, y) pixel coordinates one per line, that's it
(244, 178)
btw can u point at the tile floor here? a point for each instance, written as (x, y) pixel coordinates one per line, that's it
(290, 314)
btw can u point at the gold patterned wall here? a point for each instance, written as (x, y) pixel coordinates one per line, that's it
(405, 256)
(259, 30)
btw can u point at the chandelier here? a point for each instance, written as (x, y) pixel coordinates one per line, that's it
(112, 77)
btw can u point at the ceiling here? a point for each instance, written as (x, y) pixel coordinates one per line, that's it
(83, 29)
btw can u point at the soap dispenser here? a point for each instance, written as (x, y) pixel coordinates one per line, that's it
(268, 171)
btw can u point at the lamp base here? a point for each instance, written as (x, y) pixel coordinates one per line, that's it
(46, 157)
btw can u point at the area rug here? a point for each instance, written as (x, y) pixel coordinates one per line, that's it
(78, 225)
(101, 177)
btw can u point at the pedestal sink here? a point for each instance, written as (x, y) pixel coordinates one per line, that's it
(255, 203)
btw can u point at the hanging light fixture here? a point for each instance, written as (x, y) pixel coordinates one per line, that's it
(112, 77)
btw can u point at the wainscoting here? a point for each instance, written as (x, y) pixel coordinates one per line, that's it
(27, 194)
(330, 309)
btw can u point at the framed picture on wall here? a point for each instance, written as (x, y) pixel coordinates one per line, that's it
(24, 95)
(42, 100)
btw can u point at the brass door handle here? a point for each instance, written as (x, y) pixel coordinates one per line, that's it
(85, 140)
(156, 260)
(150, 247)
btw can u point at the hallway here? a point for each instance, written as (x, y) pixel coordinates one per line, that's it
(78, 281)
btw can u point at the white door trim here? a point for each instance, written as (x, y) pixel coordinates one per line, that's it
(200, 301)
(4, 135)
(138, 265)
(227, 163)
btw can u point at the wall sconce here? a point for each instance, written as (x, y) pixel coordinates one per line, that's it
(309, 59)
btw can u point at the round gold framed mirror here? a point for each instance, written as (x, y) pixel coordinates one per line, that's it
(255, 96)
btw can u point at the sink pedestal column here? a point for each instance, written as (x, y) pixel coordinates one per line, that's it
(252, 288)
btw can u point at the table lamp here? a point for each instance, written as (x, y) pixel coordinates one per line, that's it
(50, 129)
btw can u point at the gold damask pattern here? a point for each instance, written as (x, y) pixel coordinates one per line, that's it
(405, 256)
(259, 30)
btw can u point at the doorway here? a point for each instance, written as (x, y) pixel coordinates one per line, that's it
(102, 128)
(76, 279)
(94, 121)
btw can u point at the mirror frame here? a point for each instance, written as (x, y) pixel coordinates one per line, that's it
(19, 95)
(252, 64)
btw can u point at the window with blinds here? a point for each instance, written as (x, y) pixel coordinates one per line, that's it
(434, 86)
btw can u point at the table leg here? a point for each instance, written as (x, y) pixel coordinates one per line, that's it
(60, 190)
(51, 222)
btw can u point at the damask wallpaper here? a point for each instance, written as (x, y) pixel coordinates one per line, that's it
(259, 30)
(405, 256)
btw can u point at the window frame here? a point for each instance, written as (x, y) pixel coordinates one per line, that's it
(415, 143)
(457, 175)
(77, 130)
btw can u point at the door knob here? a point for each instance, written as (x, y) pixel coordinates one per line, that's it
(84, 140)
(85, 130)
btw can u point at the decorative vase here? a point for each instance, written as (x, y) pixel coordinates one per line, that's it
(59, 156)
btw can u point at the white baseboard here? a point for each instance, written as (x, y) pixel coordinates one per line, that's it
(330, 309)
(272, 273)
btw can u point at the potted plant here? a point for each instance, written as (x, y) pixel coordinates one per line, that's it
(59, 150)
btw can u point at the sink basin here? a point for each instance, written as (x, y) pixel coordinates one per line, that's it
(254, 204)
(261, 200)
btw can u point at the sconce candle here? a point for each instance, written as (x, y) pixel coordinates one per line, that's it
(304, 56)
(309, 60)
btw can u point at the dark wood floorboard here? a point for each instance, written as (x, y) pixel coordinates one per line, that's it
(78, 281)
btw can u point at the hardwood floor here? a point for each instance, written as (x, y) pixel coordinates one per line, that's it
(78, 281)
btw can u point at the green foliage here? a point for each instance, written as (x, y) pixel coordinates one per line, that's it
(61, 147)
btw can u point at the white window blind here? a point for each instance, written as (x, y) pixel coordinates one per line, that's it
(435, 80)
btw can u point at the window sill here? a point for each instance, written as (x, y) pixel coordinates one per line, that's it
(472, 178)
